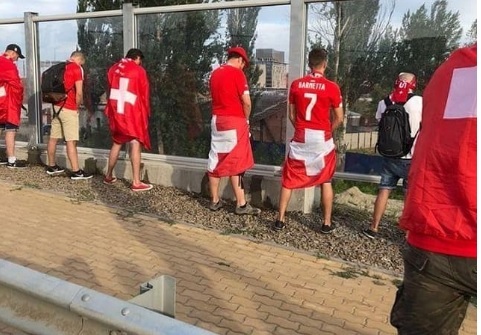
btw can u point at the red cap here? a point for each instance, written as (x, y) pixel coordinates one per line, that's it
(241, 52)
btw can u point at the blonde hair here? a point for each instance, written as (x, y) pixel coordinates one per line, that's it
(79, 55)
(406, 76)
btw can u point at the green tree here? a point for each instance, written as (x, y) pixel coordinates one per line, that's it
(241, 31)
(425, 40)
(439, 22)
(351, 32)
(471, 35)
(179, 49)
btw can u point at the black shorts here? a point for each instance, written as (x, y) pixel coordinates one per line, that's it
(8, 127)
(435, 293)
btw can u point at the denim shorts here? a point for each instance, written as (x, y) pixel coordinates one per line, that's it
(394, 169)
(8, 127)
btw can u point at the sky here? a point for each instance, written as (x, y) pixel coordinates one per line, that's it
(273, 28)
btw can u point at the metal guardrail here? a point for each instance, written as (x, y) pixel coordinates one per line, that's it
(41, 304)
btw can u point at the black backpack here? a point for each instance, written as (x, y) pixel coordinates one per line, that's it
(53, 89)
(394, 135)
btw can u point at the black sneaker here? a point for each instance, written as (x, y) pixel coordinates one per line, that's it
(325, 229)
(3, 161)
(17, 165)
(369, 233)
(80, 174)
(279, 225)
(54, 170)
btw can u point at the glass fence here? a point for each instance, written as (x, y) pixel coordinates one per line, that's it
(369, 43)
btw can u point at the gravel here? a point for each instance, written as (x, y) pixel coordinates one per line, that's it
(352, 213)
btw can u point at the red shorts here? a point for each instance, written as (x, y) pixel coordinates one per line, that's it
(121, 138)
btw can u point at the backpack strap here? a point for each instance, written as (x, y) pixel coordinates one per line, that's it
(55, 114)
(387, 101)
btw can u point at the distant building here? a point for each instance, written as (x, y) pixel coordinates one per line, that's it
(274, 68)
(269, 117)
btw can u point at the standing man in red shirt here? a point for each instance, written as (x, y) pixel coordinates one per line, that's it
(128, 111)
(441, 205)
(11, 98)
(230, 151)
(312, 157)
(65, 123)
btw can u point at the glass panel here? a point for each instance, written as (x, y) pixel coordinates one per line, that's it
(182, 49)
(15, 33)
(370, 42)
(101, 40)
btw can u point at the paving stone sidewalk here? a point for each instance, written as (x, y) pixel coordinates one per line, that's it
(226, 284)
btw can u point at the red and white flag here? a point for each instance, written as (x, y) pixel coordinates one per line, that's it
(128, 106)
(311, 160)
(230, 151)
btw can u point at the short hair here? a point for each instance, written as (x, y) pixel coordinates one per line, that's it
(406, 76)
(316, 57)
(134, 54)
(78, 54)
(233, 55)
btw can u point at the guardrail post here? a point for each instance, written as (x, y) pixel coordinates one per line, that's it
(158, 295)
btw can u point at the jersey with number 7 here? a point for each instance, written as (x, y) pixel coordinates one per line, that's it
(313, 96)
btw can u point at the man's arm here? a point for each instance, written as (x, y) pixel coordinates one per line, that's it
(292, 114)
(246, 105)
(79, 92)
(337, 117)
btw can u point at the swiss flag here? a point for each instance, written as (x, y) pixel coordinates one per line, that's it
(311, 160)
(230, 151)
(128, 106)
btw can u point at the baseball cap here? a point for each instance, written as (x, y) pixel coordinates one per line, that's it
(15, 48)
(241, 52)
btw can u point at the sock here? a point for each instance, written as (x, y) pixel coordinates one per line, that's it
(12, 159)
(244, 206)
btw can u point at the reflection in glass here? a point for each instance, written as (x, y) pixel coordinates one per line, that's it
(15, 33)
(101, 39)
(370, 42)
(182, 49)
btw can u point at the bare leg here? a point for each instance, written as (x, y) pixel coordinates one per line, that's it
(214, 188)
(51, 151)
(72, 155)
(113, 157)
(379, 207)
(283, 203)
(238, 191)
(10, 143)
(135, 152)
(327, 199)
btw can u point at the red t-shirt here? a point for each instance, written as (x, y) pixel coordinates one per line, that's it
(73, 73)
(313, 96)
(227, 85)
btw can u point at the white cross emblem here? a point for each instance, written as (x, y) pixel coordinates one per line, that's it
(2, 91)
(461, 102)
(313, 151)
(222, 142)
(122, 95)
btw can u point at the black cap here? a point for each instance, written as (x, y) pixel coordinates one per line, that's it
(15, 48)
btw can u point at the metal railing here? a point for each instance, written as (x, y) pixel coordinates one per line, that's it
(41, 304)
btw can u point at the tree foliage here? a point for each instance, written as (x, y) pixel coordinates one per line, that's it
(241, 31)
(371, 53)
(179, 49)
(471, 35)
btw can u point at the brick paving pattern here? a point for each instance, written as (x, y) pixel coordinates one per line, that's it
(226, 284)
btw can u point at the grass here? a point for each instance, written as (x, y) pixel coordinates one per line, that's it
(31, 185)
(341, 185)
